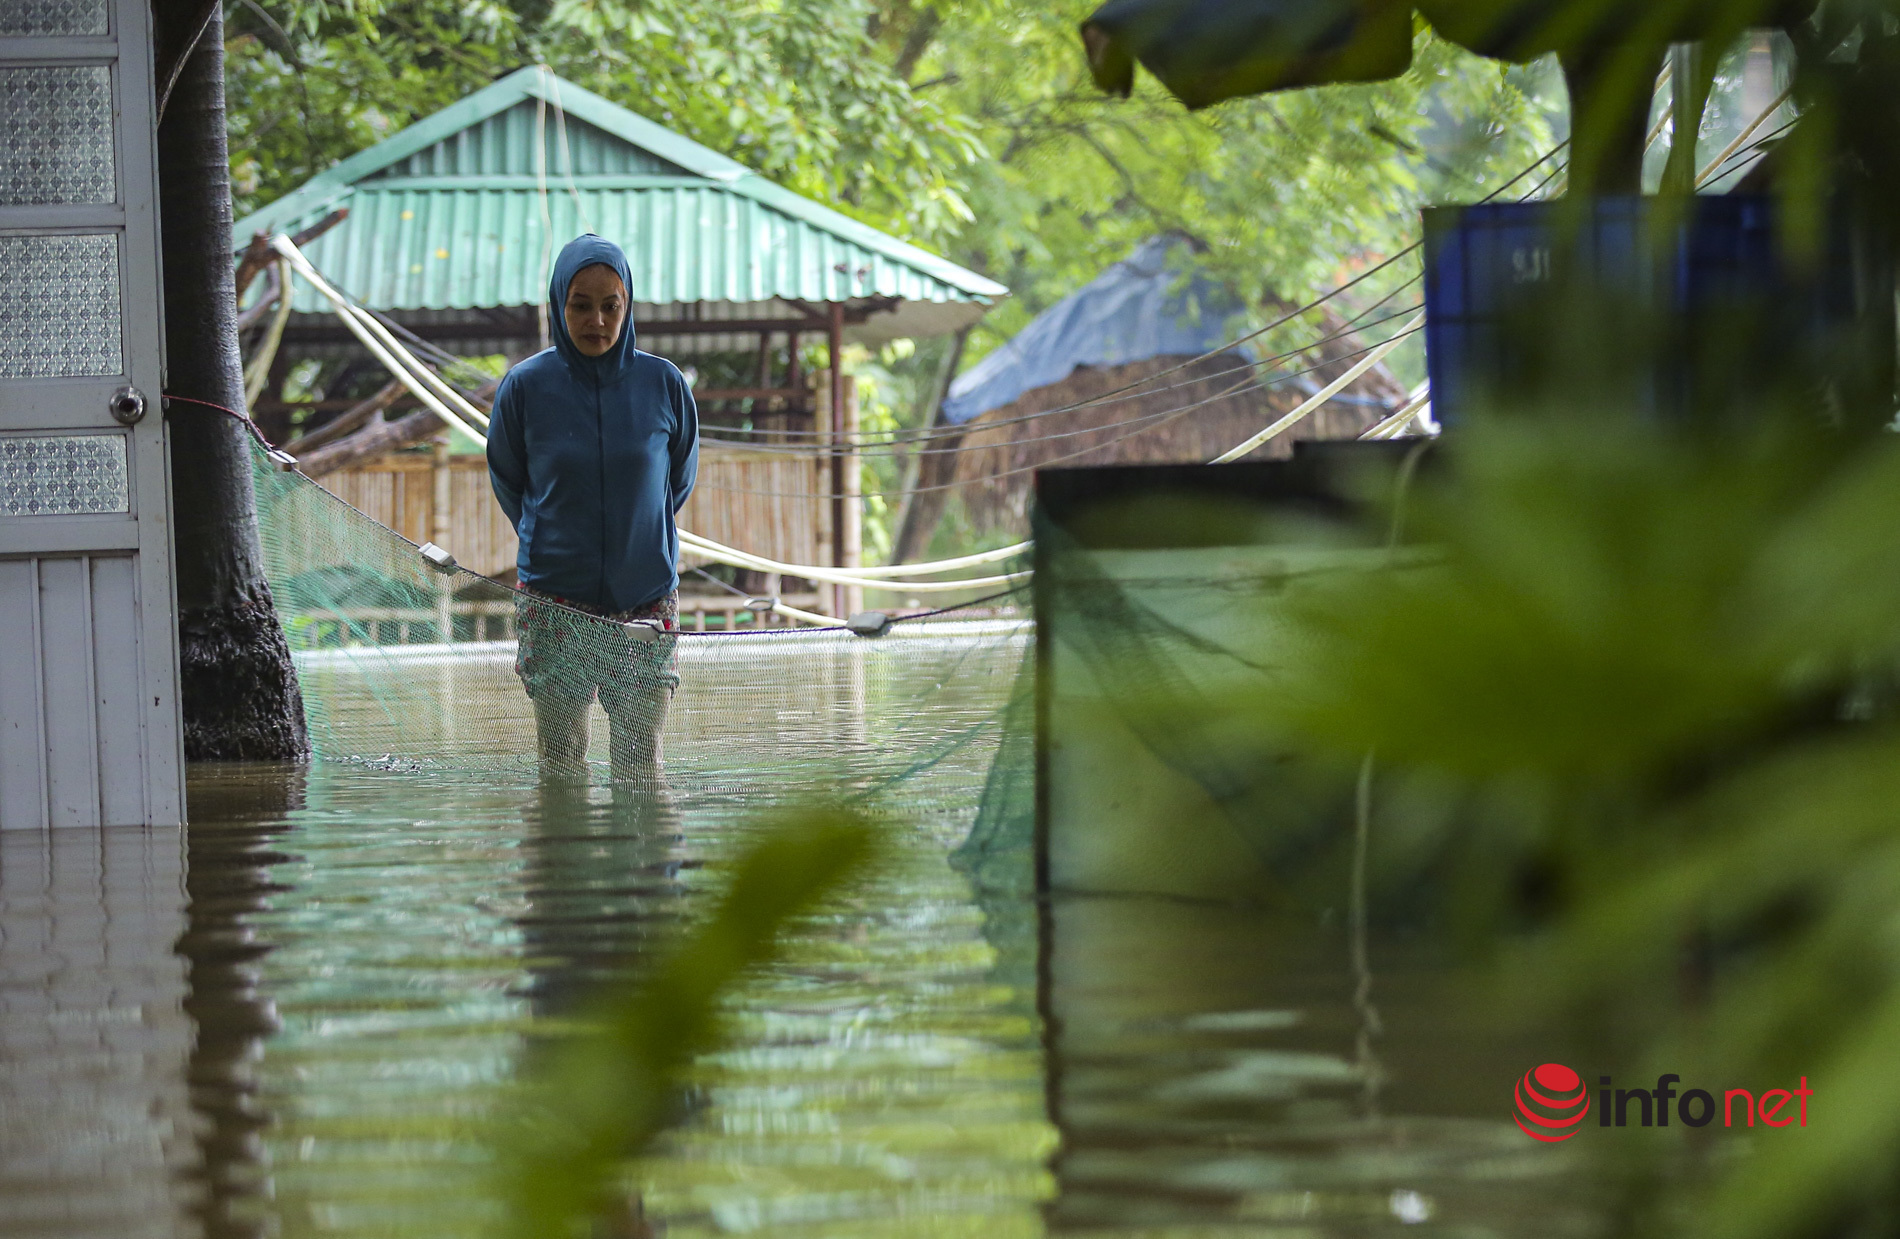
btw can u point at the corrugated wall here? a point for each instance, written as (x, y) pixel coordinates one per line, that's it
(70, 748)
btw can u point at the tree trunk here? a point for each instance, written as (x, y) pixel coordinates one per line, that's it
(1608, 123)
(932, 464)
(346, 423)
(241, 698)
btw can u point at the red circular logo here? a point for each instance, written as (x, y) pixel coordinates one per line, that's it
(1551, 1101)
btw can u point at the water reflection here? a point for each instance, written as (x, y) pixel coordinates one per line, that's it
(1208, 1072)
(363, 957)
(372, 954)
(601, 883)
(231, 850)
(95, 1121)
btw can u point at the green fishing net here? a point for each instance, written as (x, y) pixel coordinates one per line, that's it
(411, 666)
(1153, 781)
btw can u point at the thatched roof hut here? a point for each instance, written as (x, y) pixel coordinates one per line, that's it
(1128, 369)
(1179, 417)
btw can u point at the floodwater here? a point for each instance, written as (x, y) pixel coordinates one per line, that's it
(300, 1019)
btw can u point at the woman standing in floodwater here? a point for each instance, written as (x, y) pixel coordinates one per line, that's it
(593, 449)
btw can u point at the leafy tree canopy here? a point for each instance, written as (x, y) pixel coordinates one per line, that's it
(970, 126)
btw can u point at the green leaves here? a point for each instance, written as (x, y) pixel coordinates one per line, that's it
(796, 89)
(970, 128)
(1284, 195)
(1651, 672)
(1596, 612)
(309, 82)
(598, 1098)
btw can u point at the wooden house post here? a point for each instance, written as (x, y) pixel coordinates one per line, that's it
(853, 488)
(441, 532)
(835, 409)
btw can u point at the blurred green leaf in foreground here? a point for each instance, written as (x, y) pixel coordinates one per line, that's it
(598, 1098)
(1636, 717)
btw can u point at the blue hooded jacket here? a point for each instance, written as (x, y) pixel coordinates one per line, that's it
(591, 457)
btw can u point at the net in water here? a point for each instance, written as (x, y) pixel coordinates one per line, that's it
(412, 666)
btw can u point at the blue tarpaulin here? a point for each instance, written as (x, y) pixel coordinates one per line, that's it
(1150, 304)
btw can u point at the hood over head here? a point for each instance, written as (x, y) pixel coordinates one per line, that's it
(582, 252)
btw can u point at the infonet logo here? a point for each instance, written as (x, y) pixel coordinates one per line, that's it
(1552, 1100)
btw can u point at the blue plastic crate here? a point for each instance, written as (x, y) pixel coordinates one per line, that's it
(1485, 266)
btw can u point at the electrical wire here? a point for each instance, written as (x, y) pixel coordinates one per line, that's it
(1166, 415)
(902, 447)
(902, 438)
(1373, 354)
(1416, 405)
(274, 453)
(1118, 395)
(1103, 398)
(1011, 592)
(1140, 424)
(553, 85)
(1744, 158)
(730, 589)
(401, 363)
(1367, 274)
(978, 426)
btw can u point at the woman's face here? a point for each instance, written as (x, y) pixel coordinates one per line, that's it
(596, 309)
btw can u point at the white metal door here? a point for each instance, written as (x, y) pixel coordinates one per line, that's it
(89, 705)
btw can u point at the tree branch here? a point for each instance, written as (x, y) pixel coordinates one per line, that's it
(370, 443)
(351, 419)
(916, 43)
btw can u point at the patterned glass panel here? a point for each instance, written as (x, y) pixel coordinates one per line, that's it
(56, 135)
(59, 306)
(63, 475)
(54, 17)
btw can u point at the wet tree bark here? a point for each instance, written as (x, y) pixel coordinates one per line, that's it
(1607, 126)
(241, 699)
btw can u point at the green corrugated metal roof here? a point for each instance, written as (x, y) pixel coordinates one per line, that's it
(451, 213)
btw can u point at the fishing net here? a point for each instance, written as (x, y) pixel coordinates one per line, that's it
(1173, 607)
(410, 666)
(1157, 625)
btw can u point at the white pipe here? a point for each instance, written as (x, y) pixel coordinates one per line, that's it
(1322, 395)
(838, 576)
(931, 567)
(346, 308)
(743, 559)
(367, 329)
(402, 375)
(807, 617)
(398, 369)
(463, 405)
(362, 326)
(1391, 426)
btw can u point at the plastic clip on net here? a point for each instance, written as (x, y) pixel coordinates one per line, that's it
(282, 459)
(438, 558)
(644, 630)
(869, 623)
